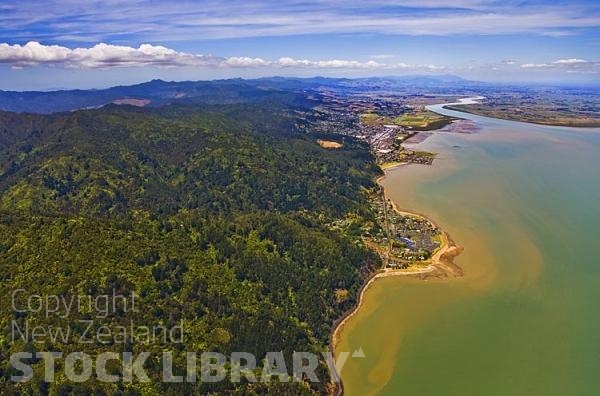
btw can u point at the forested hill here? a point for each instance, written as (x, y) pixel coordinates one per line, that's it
(215, 215)
(155, 93)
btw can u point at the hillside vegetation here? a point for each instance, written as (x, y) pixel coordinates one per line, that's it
(216, 216)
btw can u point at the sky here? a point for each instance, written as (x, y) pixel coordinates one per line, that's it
(57, 44)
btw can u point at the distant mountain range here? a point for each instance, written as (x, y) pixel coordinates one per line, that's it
(159, 93)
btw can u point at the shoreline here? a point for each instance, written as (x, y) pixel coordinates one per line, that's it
(454, 107)
(441, 265)
(475, 100)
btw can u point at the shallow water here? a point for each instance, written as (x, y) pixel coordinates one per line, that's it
(524, 201)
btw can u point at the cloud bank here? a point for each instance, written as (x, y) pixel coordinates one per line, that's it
(105, 56)
(108, 56)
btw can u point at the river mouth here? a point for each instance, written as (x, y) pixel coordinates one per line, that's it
(522, 200)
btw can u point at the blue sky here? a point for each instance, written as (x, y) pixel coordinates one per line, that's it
(73, 43)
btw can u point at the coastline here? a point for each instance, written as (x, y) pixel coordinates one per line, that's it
(441, 265)
(454, 107)
(404, 360)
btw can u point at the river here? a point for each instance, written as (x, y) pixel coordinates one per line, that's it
(524, 201)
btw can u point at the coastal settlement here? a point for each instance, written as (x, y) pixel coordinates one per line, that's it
(405, 242)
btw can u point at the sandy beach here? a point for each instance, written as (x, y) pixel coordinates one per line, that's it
(441, 265)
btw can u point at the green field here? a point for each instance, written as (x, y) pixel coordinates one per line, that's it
(422, 121)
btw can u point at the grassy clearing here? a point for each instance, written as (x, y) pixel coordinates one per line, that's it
(421, 121)
(390, 164)
(329, 144)
(372, 119)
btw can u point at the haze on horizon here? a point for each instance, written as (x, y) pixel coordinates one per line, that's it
(93, 44)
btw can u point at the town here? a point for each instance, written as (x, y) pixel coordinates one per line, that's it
(404, 239)
(386, 122)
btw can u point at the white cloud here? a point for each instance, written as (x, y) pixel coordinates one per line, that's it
(569, 65)
(534, 65)
(348, 64)
(330, 64)
(434, 67)
(291, 62)
(244, 61)
(100, 56)
(104, 56)
(569, 61)
(32, 53)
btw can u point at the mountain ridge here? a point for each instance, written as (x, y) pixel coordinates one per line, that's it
(160, 92)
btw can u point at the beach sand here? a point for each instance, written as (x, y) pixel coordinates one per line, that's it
(441, 265)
